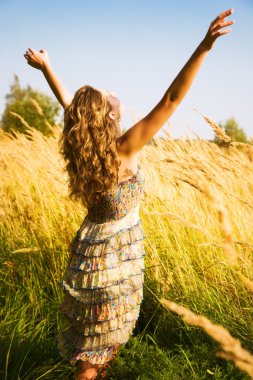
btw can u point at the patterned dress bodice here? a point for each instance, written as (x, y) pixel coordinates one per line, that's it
(120, 201)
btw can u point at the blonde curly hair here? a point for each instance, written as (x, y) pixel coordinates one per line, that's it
(88, 145)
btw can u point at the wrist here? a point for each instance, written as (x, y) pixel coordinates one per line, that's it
(204, 47)
(45, 66)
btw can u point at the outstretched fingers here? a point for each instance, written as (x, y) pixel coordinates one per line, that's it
(28, 53)
(220, 32)
(214, 30)
(27, 57)
(31, 50)
(222, 24)
(222, 16)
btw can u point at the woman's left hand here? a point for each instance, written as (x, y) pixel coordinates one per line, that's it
(37, 59)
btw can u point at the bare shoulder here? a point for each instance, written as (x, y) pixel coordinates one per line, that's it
(129, 163)
(137, 136)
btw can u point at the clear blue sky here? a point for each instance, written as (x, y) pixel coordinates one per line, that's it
(135, 48)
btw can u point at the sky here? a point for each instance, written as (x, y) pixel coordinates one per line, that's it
(135, 48)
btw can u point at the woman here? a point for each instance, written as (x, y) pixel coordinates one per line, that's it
(103, 281)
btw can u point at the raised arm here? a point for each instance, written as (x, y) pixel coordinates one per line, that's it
(40, 60)
(142, 132)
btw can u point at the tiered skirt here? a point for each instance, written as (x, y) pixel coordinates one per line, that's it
(103, 289)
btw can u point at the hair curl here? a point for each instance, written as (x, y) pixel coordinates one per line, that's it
(88, 145)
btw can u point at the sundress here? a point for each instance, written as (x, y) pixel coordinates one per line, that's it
(103, 280)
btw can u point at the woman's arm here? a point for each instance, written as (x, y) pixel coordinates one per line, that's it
(184, 79)
(142, 132)
(40, 61)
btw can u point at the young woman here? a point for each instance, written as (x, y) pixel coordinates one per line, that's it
(103, 282)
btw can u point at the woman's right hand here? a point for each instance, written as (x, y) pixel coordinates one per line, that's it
(37, 59)
(214, 30)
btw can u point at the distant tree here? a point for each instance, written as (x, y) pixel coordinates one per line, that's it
(232, 129)
(25, 106)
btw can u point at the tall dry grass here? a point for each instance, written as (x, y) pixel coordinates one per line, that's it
(197, 216)
(232, 349)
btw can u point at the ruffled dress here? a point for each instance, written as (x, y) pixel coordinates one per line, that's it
(103, 280)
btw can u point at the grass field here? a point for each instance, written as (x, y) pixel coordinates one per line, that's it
(197, 216)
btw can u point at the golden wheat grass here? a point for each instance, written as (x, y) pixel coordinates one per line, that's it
(232, 349)
(197, 218)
